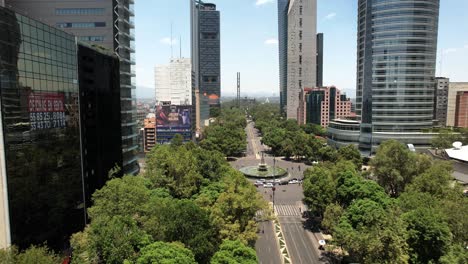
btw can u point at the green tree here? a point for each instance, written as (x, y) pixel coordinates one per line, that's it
(232, 252)
(393, 165)
(191, 226)
(351, 153)
(177, 140)
(435, 180)
(231, 141)
(314, 129)
(116, 239)
(331, 217)
(328, 154)
(428, 234)
(234, 210)
(445, 139)
(319, 189)
(351, 186)
(175, 170)
(457, 254)
(125, 196)
(274, 138)
(34, 254)
(372, 234)
(165, 253)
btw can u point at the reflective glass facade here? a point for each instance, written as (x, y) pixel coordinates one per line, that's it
(397, 44)
(110, 24)
(40, 119)
(283, 50)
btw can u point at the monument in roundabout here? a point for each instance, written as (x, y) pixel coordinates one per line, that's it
(263, 171)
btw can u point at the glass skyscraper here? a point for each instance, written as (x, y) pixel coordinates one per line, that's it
(283, 51)
(41, 198)
(107, 23)
(396, 60)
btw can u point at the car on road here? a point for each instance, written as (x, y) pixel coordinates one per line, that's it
(283, 183)
(277, 181)
(268, 185)
(293, 182)
(257, 183)
(262, 180)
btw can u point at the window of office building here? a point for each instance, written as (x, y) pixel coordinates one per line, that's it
(210, 79)
(81, 24)
(79, 11)
(209, 35)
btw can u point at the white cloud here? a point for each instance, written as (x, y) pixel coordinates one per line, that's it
(330, 16)
(263, 2)
(168, 41)
(449, 50)
(271, 41)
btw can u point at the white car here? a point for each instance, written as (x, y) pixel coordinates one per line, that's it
(268, 185)
(277, 181)
(293, 182)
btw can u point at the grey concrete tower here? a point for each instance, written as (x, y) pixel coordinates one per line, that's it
(396, 60)
(206, 58)
(108, 23)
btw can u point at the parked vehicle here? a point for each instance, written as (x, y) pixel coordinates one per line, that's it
(293, 182)
(268, 185)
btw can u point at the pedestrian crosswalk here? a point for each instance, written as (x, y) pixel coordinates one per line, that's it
(287, 210)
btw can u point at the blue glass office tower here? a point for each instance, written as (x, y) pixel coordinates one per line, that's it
(283, 50)
(396, 60)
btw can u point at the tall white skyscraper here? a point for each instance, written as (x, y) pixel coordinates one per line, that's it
(173, 82)
(302, 55)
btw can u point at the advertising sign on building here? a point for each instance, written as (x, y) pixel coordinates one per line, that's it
(172, 120)
(46, 110)
(173, 117)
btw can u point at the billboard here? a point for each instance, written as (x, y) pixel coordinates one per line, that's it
(173, 117)
(46, 110)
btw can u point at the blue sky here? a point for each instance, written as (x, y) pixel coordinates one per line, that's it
(249, 42)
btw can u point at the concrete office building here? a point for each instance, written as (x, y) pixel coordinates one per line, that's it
(41, 192)
(461, 113)
(301, 55)
(149, 134)
(454, 88)
(325, 104)
(283, 7)
(206, 59)
(108, 23)
(319, 60)
(441, 100)
(396, 60)
(173, 82)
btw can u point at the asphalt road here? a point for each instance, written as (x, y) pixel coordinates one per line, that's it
(267, 245)
(301, 242)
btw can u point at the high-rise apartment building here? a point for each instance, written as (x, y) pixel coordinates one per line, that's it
(42, 188)
(396, 60)
(283, 7)
(441, 100)
(454, 88)
(108, 23)
(206, 58)
(319, 60)
(325, 104)
(301, 55)
(173, 82)
(461, 113)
